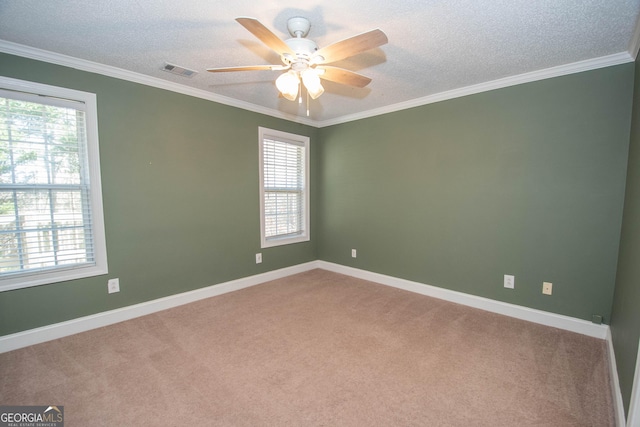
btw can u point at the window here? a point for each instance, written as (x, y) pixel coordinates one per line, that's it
(51, 222)
(284, 188)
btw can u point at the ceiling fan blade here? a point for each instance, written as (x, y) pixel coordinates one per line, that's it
(349, 47)
(265, 35)
(248, 68)
(340, 75)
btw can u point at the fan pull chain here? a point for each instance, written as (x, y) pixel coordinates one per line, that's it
(307, 103)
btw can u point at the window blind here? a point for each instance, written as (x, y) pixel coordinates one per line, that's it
(45, 209)
(284, 188)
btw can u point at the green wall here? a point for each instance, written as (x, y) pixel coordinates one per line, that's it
(180, 192)
(527, 180)
(625, 318)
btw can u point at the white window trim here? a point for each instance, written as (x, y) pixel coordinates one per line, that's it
(299, 139)
(100, 247)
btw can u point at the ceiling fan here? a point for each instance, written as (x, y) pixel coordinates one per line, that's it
(303, 61)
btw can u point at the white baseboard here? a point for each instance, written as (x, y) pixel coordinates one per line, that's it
(618, 406)
(82, 324)
(633, 420)
(59, 330)
(537, 316)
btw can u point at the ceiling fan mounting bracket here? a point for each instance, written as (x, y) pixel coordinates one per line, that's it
(298, 26)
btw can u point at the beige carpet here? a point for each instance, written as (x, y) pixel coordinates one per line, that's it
(317, 349)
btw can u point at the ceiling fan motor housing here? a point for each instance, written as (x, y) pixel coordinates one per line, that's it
(304, 49)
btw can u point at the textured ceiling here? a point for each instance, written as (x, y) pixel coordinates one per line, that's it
(435, 46)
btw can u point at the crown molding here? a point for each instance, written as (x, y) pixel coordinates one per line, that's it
(119, 73)
(110, 71)
(547, 73)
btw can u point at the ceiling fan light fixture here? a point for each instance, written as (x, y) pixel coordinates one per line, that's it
(304, 61)
(288, 84)
(312, 83)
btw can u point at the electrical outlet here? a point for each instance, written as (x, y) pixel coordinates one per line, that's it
(113, 285)
(258, 258)
(509, 281)
(353, 253)
(547, 288)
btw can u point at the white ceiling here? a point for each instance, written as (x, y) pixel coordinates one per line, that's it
(437, 49)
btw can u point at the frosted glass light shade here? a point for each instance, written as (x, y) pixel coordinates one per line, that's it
(312, 83)
(288, 84)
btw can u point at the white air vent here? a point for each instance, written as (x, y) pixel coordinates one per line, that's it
(178, 70)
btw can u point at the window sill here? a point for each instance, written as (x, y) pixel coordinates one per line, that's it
(45, 278)
(284, 241)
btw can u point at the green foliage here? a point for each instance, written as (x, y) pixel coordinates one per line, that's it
(38, 144)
